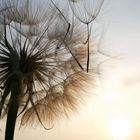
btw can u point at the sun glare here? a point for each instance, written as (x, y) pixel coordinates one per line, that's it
(120, 128)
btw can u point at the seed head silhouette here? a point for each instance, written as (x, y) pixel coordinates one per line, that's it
(43, 62)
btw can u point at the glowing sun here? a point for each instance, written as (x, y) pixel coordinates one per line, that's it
(120, 128)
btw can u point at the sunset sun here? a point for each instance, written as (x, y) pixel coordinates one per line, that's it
(120, 128)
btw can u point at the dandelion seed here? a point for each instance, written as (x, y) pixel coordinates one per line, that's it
(86, 11)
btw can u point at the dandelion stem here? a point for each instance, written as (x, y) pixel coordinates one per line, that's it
(16, 89)
(11, 120)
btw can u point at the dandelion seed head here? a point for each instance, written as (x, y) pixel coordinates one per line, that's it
(48, 64)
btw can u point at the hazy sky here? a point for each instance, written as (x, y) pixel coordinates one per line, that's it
(119, 100)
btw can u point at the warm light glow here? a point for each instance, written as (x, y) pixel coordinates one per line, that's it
(120, 128)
